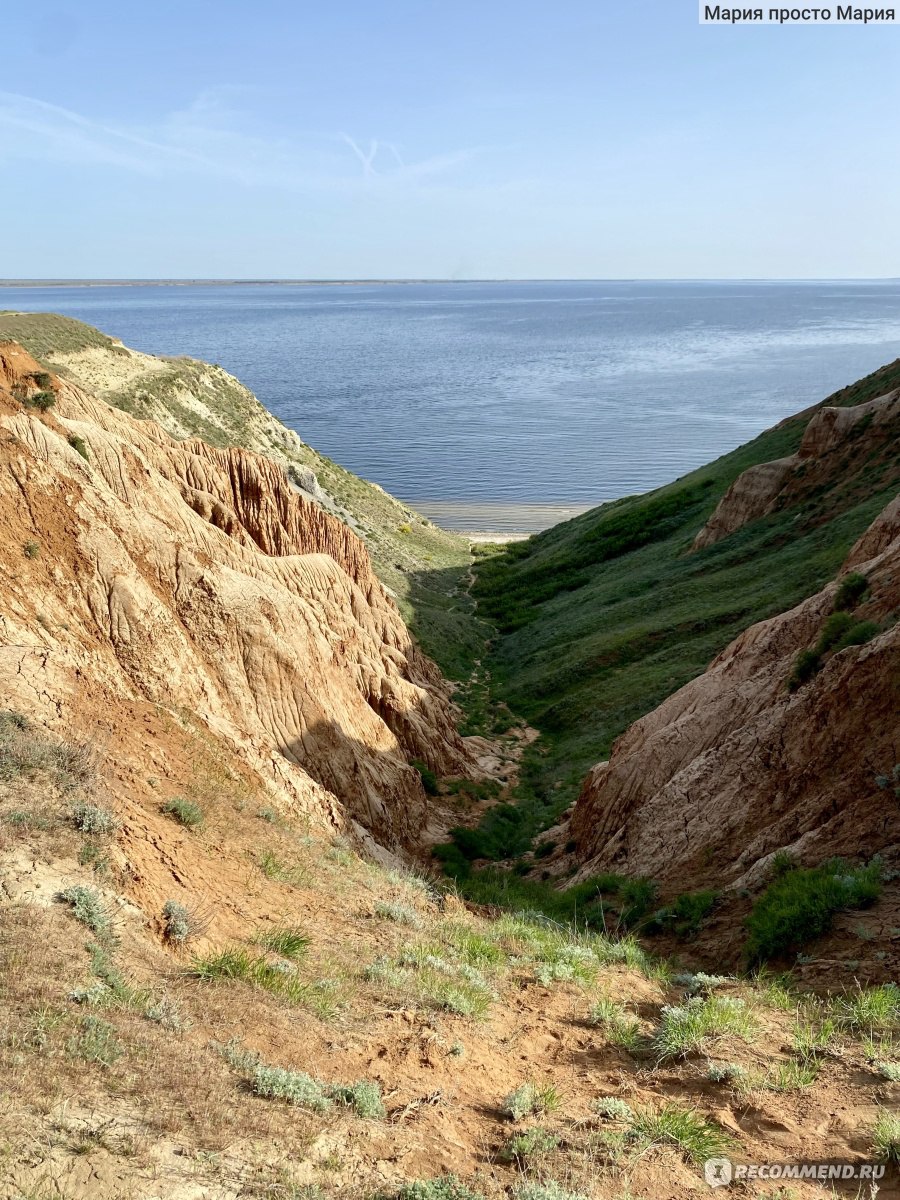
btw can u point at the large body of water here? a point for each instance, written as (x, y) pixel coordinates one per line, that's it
(476, 398)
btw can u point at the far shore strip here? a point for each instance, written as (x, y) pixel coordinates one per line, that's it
(495, 521)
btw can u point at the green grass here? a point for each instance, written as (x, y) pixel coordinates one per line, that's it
(689, 1028)
(606, 615)
(870, 1010)
(528, 1099)
(43, 333)
(236, 963)
(621, 1027)
(289, 941)
(530, 1143)
(886, 1136)
(695, 1137)
(185, 812)
(801, 904)
(445, 1187)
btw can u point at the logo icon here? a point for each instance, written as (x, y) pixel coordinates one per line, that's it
(718, 1172)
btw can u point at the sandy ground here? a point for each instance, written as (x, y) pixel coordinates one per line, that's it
(491, 520)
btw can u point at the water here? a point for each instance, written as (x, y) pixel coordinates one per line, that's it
(486, 400)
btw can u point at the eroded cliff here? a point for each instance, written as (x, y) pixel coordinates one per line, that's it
(736, 765)
(180, 578)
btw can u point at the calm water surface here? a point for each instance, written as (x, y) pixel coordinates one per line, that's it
(508, 394)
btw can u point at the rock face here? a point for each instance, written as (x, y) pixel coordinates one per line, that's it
(734, 767)
(833, 437)
(141, 570)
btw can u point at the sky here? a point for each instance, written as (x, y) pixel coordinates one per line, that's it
(429, 139)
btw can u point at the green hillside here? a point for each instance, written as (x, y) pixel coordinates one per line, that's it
(603, 617)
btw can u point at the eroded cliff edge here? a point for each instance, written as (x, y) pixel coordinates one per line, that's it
(743, 761)
(148, 581)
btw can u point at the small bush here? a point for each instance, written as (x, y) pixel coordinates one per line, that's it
(88, 907)
(850, 591)
(402, 914)
(614, 1109)
(233, 963)
(888, 1070)
(447, 1187)
(806, 665)
(859, 634)
(43, 401)
(833, 630)
(96, 1043)
(93, 819)
(79, 445)
(184, 811)
(364, 1097)
(548, 1190)
(886, 1136)
(178, 924)
(528, 1144)
(428, 777)
(801, 906)
(528, 1099)
(695, 1137)
(726, 1072)
(637, 897)
(790, 1076)
(296, 1087)
(465, 998)
(280, 871)
(31, 549)
(685, 915)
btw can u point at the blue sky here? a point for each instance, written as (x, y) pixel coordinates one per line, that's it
(610, 138)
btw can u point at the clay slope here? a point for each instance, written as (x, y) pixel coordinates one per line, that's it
(838, 445)
(734, 767)
(421, 565)
(142, 570)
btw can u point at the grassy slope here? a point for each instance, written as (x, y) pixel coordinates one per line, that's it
(589, 646)
(424, 566)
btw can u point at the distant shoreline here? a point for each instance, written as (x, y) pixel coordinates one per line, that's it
(497, 520)
(126, 283)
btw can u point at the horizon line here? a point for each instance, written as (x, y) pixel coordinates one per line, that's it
(349, 281)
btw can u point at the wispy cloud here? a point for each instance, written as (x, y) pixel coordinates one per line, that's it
(209, 138)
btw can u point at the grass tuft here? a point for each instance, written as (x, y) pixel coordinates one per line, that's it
(185, 812)
(695, 1137)
(688, 1028)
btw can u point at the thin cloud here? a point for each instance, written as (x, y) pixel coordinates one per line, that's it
(205, 139)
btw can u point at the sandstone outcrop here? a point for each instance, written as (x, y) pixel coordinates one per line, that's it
(833, 438)
(734, 767)
(195, 581)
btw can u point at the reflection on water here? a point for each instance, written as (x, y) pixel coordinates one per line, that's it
(514, 393)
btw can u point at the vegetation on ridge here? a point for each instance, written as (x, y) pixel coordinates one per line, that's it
(606, 615)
